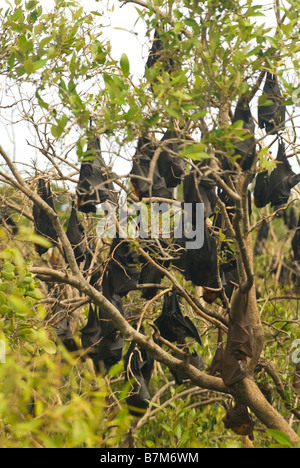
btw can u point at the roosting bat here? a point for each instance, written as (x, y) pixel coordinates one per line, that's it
(93, 187)
(261, 189)
(91, 333)
(156, 54)
(215, 367)
(245, 148)
(239, 420)
(296, 243)
(138, 365)
(282, 179)
(42, 222)
(101, 334)
(75, 234)
(171, 168)
(200, 265)
(238, 346)
(271, 116)
(141, 171)
(197, 189)
(123, 266)
(6, 219)
(172, 325)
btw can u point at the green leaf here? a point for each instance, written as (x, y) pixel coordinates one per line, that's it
(280, 437)
(272, 42)
(49, 347)
(124, 64)
(150, 444)
(173, 112)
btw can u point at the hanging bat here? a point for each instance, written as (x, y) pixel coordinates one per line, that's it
(157, 54)
(197, 189)
(215, 367)
(172, 325)
(141, 170)
(42, 222)
(296, 243)
(93, 187)
(138, 365)
(91, 333)
(75, 234)
(238, 346)
(101, 334)
(124, 267)
(261, 189)
(200, 265)
(271, 116)
(245, 148)
(171, 168)
(238, 418)
(282, 179)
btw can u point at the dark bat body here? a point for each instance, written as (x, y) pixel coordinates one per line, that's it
(123, 266)
(172, 325)
(245, 148)
(138, 365)
(170, 167)
(272, 117)
(42, 222)
(296, 243)
(101, 334)
(93, 187)
(141, 171)
(282, 179)
(200, 190)
(261, 189)
(75, 234)
(200, 265)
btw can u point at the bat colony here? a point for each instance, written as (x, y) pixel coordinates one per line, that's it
(126, 269)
